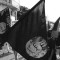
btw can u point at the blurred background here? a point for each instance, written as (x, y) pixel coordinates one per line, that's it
(12, 10)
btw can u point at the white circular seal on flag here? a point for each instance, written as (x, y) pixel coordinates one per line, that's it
(36, 47)
(2, 27)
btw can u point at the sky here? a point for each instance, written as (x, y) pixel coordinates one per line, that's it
(51, 8)
(28, 3)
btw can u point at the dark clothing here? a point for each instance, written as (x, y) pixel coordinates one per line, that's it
(58, 41)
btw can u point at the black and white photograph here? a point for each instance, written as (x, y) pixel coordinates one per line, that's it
(29, 30)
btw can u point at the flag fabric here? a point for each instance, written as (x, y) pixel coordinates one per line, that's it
(31, 27)
(55, 37)
(3, 25)
(56, 32)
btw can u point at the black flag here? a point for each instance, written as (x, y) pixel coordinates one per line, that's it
(56, 32)
(55, 37)
(29, 30)
(55, 29)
